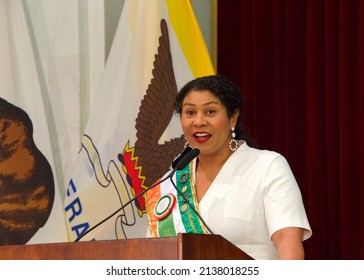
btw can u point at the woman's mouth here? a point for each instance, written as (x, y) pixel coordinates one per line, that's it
(201, 137)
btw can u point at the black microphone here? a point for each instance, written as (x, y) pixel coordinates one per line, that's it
(177, 160)
(180, 163)
(179, 166)
(183, 161)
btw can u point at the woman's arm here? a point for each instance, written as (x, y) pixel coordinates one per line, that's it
(288, 242)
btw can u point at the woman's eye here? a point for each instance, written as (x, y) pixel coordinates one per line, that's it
(210, 112)
(189, 113)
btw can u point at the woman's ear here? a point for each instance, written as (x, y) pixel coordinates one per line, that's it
(234, 118)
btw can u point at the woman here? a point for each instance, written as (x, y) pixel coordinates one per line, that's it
(248, 196)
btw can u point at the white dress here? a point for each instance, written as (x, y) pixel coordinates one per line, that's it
(254, 195)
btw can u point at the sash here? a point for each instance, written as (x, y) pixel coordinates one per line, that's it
(168, 213)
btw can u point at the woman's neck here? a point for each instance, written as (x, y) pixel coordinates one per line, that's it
(207, 163)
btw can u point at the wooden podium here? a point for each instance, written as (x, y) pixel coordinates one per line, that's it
(183, 247)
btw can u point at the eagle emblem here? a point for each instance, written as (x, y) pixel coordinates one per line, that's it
(151, 159)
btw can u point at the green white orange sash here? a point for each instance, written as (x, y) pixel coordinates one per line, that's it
(167, 210)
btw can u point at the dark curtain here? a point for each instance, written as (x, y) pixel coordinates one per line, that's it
(300, 66)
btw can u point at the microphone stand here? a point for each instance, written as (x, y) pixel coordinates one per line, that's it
(183, 160)
(122, 207)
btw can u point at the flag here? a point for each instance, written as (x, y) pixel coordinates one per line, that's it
(31, 206)
(132, 135)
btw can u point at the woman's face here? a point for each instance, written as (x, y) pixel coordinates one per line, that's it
(205, 123)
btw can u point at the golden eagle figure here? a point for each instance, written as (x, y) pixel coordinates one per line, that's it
(155, 113)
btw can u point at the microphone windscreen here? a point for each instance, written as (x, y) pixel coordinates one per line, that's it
(187, 158)
(177, 160)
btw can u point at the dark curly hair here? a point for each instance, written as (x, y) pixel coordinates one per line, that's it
(229, 94)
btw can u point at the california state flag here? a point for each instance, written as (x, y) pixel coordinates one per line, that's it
(132, 134)
(31, 205)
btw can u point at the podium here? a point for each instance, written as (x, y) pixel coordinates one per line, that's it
(182, 247)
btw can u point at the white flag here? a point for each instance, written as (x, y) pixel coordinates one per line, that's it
(31, 208)
(132, 135)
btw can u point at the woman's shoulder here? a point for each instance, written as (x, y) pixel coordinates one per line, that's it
(263, 154)
(260, 158)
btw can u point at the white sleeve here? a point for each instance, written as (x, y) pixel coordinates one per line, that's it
(283, 203)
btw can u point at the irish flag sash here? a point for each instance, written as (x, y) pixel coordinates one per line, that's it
(167, 210)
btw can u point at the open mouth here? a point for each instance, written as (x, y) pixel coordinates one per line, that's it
(201, 137)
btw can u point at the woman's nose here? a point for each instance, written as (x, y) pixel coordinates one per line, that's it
(199, 120)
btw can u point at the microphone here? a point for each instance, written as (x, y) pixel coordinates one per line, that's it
(179, 163)
(177, 160)
(183, 161)
(179, 166)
